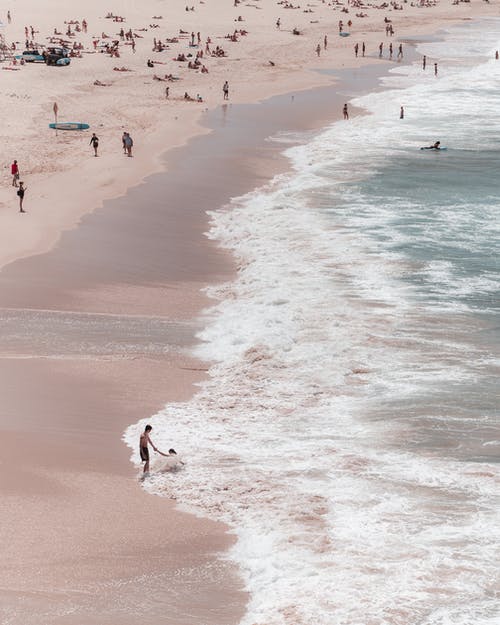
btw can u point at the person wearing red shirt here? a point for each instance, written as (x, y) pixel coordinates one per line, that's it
(14, 170)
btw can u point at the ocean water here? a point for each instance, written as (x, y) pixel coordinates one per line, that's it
(349, 432)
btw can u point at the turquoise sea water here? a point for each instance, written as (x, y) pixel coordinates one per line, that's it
(349, 433)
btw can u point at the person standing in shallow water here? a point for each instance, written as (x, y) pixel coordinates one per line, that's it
(345, 112)
(20, 194)
(144, 442)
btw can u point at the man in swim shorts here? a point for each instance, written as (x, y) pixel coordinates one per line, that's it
(144, 441)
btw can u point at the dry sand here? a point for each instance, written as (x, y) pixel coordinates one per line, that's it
(94, 332)
(63, 179)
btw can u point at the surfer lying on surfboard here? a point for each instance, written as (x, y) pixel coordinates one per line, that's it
(435, 146)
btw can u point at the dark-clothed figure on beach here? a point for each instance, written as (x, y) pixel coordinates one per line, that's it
(94, 142)
(129, 142)
(225, 90)
(20, 193)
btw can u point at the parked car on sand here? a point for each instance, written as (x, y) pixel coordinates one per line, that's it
(31, 56)
(57, 56)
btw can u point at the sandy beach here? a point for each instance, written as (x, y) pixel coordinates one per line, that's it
(102, 277)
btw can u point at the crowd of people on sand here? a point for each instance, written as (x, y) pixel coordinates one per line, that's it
(199, 49)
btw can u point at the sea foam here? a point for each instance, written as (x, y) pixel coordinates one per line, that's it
(343, 432)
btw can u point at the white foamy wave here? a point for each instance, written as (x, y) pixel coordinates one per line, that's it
(331, 372)
(275, 446)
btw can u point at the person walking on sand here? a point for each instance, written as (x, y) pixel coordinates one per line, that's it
(400, 51)
(144, 442)
(424, 62)
(9, 18)
(129, 143)
(14, 170)
(356, 49)
(402, 113)
(318, 49)
(363, 49)
(20, 193)
(94, 142)
(345, 112)
(435, 69)
(325, 42)
(225, 90)
(124, 145)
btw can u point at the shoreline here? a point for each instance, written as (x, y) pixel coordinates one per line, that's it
(245, 458)
(90, 187)
(126, 300)
(53, 302)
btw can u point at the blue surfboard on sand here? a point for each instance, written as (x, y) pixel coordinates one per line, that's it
(69, 126)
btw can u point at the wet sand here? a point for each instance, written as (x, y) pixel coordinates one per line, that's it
(95, 336)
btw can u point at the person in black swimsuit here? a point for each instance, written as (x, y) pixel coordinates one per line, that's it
(94, 142)
(20, 193)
